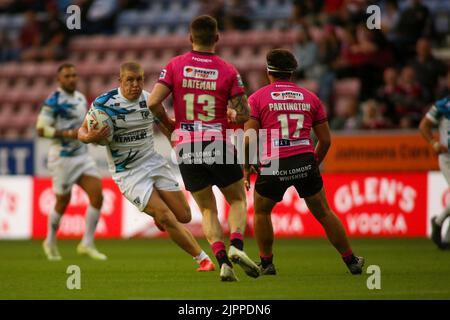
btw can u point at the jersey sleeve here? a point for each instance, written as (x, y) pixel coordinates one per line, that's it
(166, 75)
(49, 108)
(320, 114)
(433, 114)
(237, 85)
(254, 108)
(47, 114)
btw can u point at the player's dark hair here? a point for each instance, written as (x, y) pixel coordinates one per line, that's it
(64, 66)
(281, 63)
(204, 30)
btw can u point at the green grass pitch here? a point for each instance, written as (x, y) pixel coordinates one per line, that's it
(157, 269)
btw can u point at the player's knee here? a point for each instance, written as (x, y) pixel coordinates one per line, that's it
(322, 214)
(186, 217)
(165, 218)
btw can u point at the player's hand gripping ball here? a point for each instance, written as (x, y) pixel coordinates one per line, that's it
(96, 120)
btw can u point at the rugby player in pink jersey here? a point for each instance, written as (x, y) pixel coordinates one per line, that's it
(202, 87)
(287, 113)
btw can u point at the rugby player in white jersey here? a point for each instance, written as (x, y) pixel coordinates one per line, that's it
(68, 161)
(143, 176)
(439, 114)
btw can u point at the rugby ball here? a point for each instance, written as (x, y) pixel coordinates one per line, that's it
(97, 119)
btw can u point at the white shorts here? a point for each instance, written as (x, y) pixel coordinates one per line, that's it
(66, 171)
(444, 165)
(137, 184)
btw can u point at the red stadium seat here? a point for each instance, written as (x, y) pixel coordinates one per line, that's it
(10, 69)
(310, 85)
(6, 112)
(347, 87)
(48, 69)
(11, 134)
(28, 69)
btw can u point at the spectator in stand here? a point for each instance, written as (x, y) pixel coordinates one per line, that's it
(215, 9)
(237, 15)
(306, 11)
(44, 41)
(101, 16)
(386, 94)
(444, 91)
(55, 37)
(409, 103)
(30, 37)
(306, 52)
(350, 117)
(364, 54)
(372, 117)
(414, 22)
(329, 48)
(8, 48)
(428, 67)
(390, 15)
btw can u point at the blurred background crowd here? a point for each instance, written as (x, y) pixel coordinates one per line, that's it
(368, 79)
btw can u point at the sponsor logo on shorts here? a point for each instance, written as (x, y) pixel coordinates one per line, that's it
(286, 95)
(200, 73)
(137, 201)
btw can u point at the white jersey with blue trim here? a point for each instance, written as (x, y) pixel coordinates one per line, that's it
(132, 142)
(439, 114)
(63, 111)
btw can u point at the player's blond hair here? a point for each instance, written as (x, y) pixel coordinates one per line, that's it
(130, 66)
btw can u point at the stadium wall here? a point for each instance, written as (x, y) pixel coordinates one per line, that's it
(369, 205)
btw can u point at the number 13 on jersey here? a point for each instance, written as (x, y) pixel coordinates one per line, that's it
(207, 102)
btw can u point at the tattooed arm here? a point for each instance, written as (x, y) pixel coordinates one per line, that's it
(239, 111)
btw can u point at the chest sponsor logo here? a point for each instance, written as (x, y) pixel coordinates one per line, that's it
(286, 95)
(200, 73)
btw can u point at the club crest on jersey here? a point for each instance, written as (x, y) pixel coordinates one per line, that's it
(162, 75)
(287, 95)
(200, 73)
(143, 104)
